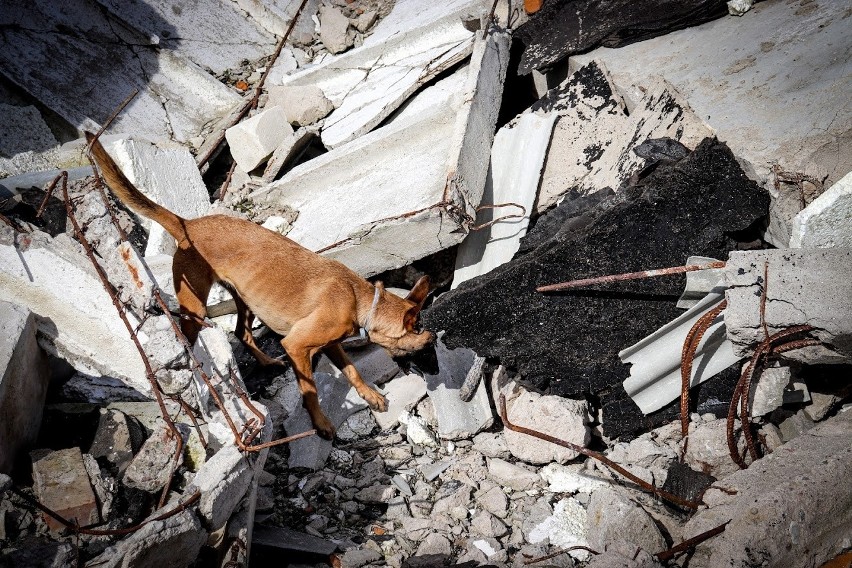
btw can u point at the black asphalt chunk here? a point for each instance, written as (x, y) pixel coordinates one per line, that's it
(565, 27)
(567, 343)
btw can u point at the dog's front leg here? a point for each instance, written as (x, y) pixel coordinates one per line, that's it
(340, 360)
(301, 359)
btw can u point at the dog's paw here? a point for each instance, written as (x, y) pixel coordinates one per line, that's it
(375, 400)
(324, 428)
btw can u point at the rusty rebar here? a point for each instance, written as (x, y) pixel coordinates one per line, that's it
(691, 542)
(558, 553)
(252, 103)
(77, 529)
(594, 455)
(63, 175)
(149, 371)
(630, 276)
(690, 347)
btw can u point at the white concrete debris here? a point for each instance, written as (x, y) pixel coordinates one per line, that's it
(739, 7)
(554, 415)
(567, 527)
(21, 154)
(614, 517)
(197, 31)
(24, 375)
(512, 475)
(769, 390)
(402, 393)
(804, 286)
(76, 320)
(655, 372)
(303, 105)
(778, 506)
(457, 418)
(443, 153)
(407, 49)
(417, 430)
(254, 140)
(333, 29)
(223, 481)
(571, 478)
(517, 158)
(276, 16)
(780, 59)
(825, 222)
(169, 177)
(593, 141)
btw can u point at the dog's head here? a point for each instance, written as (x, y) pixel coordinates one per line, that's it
(395, 323)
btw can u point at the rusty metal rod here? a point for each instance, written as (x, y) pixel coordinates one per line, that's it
(630, 276)
(594, 455)
(558, 552)
(691, 542)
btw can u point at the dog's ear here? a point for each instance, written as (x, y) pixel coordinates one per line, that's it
(419, 292)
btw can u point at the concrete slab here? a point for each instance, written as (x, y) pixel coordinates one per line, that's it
(402, 393)
(517, 159)
(804, 286)
(277, 15)
(368, 83)
(655, 361)
(24, 375)
(199, 31)
(776, 507)
(22, 154)
(254, 140)
(167, 175)
(370, 222)
(827, 221)
(105, 61)
(772, 83)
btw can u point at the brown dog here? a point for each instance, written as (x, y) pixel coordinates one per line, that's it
(314, 301)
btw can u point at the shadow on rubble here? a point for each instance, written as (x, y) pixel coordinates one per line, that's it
(77, 58)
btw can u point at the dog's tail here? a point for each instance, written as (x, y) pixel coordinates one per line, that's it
(130, 195)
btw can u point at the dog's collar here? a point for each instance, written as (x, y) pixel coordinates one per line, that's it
(368, 323)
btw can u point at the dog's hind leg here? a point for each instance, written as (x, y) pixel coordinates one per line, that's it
(245, 318)
(192, 281)
(341, 360)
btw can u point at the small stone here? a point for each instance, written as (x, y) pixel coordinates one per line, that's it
(376, 494)
(366, 20)
(152, 466)
(359, 425)
(566, 527)
(491, 444)
(571, 478)
(333, 29)
(511, 475)
(397, 508)
(254, 140)
(486, 524)
(612, 517)
(821, 405)
(434, 544)
(402, 485)
(303, 105)
(433, 470)
(416, 529)
(117, 438)
(402, 393)
(560, 417)
(769, 391)
(418, 431)
(495, 501)
(357, 557)
(795, 426)
(395, 456)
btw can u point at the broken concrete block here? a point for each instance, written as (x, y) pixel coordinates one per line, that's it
(517, 158)
(825, 222)
(567, 526)
(417, 430)
(77, 322)
(303, 105)
(373, 226)
(655, 362)
(22, 154)
(173, 542)
(408, 48)
(285, 155)
(168, 176)
(402, 393)
(62, 484)
(24, 375)
(560, 417)
(456, 418)
(151, 468)
(117, 439)
(276, 18)
(777, 506)
(769, 390)
(254, 140)
(745, 58)
(613, 517)
(223, 481)
(707, 448)
(501, 315)
(571, 478)
(333, 29)
(511, 475)
(176, 98)
(803, 287)
(593, 141)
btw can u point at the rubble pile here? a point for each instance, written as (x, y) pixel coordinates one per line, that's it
(556, 167)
